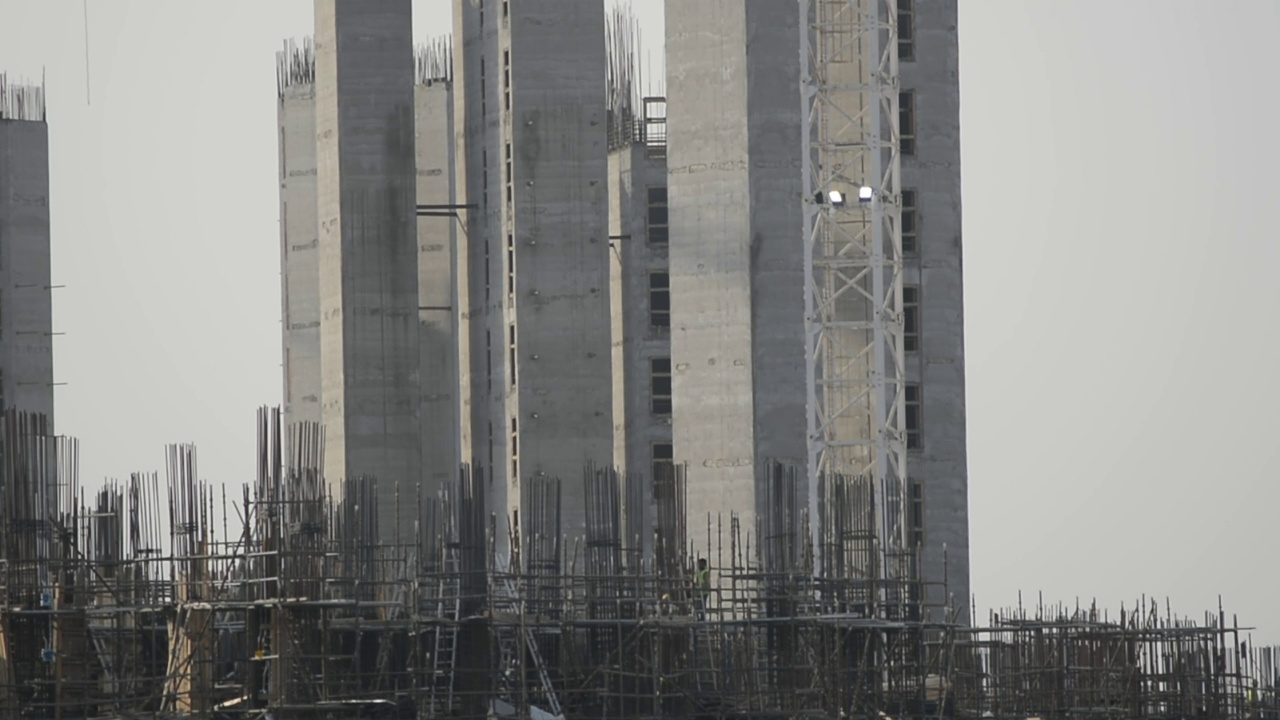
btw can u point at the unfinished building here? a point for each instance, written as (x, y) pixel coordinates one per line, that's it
(933, 287)
(437, 235)
(736, 271)
(370, 340)
(640, 283)
(299, 232)
(531, 123)
(741, 377)
(26, 297)
(369, 349)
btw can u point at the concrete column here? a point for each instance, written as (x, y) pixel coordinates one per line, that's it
(368, 249)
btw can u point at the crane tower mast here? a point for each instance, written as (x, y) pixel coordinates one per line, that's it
(852, 198)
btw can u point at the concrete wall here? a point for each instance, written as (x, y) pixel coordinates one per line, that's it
(737, 310)
(299, 253)
(441, 413)
(368, 247)
(476, 128)
(26, 302)
(934, 172)
(632, 171)
(548, 396)
(560, 212)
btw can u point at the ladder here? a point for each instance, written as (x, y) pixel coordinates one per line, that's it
(531, 643)
(384, 649)
(445, 651)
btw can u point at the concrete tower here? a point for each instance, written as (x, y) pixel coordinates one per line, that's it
(737, 313)
(369, 349)
(640, 285)
(26, 302)
(933, 297)
(445, 437)
(437, 235)
(737, 262)
(532, 121)
(299, 244)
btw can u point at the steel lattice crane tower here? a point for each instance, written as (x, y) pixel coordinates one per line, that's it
(852, 198)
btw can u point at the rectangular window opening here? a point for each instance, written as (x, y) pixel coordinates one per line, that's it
(906, 31)
(660, 385)
(511, 264)
(488, 360)
(907, 122)
(659, 299)
(917, 514)
(512, 347)
(659, 231)
(911, 318)
(663, 461)
(910, 223)
(912, 422)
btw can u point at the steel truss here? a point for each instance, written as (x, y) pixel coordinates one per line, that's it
(853, 254)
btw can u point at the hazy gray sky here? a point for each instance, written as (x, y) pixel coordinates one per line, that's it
(1119, 161)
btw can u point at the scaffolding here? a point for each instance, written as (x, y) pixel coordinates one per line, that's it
(165, 598)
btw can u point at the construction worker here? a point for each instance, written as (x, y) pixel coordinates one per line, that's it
(702, 587)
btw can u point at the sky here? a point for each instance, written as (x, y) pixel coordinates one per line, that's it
(1120, 262)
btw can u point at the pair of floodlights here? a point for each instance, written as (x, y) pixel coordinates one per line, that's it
(837, 198)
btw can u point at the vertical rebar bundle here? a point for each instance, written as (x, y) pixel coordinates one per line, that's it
(284, 603)
(22, 101)
(295, 65)
(433, 61)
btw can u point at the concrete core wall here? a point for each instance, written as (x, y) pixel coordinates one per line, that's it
(368, 248)
(26, 300)
(737, 301)
(299, 254)
(559, 216)
(532, 82)
(437, 309)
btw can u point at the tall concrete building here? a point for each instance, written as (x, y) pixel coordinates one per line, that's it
(438, 350)
(368, 249)
(299, 233)
(933, 290)
(532, 122)
(640, 295)
(736, 262)
(26, 302)
(737, 313)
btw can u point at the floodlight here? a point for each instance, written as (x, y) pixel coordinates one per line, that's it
(865, 193)
(837, 198)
